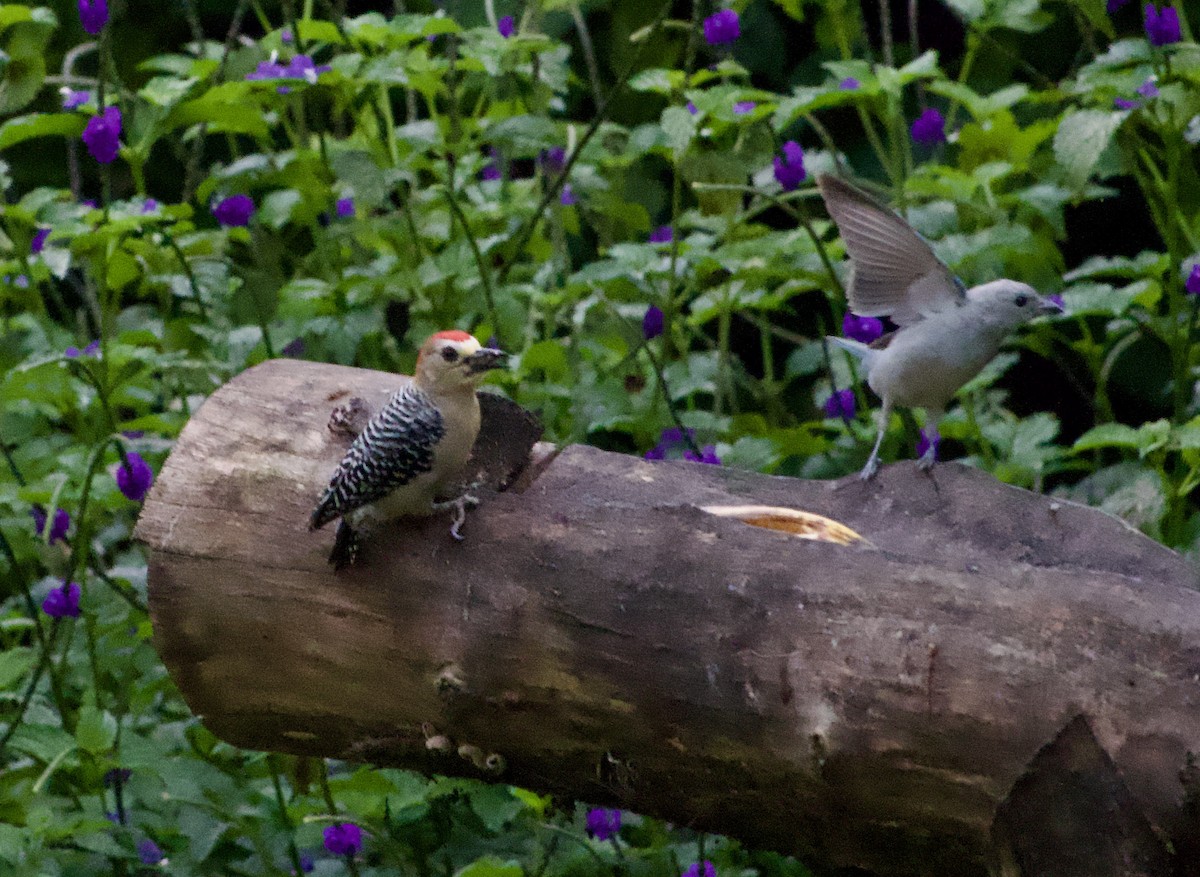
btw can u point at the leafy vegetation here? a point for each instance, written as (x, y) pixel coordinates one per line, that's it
(623, 199)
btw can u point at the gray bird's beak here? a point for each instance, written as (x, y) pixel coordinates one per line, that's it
(484, 359)
(1047, 305)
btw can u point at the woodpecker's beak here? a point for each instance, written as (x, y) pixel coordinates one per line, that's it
(1048, 305)
(484, 359)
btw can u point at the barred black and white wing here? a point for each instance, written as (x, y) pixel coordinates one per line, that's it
(395, 447)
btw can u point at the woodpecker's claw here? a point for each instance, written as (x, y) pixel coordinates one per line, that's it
(460, 506)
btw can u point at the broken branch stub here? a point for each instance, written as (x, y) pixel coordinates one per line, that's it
(606, 635)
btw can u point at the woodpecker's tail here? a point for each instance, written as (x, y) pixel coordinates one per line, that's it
(857, 348)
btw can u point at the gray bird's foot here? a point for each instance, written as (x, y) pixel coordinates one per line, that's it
(868, 471)
(925, 463)
(460, 506)
(350, 418)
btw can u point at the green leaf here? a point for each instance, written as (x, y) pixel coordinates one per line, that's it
(96, 731)
(1081, 138)
(23, 128)
(15, 662)
(491, 866)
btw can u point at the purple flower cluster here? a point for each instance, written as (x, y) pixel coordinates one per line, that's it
(343, 838)
(59, 524)
(1162, 28)
(234, 211)
(72, 99)
(652, 322)
(93, 15)
(722, 28)
(300, 67)
(1192, 284)
(929, 129)
(673, 438)
(102, 135)
(603, 824)
(864, 329)
(696, 869)
(63, 601)
(345, 208)
(506, 26)
(849, 84)
(662, 235)
(744, 106)
(39, 241)
(134, 479)
(149, 852)
(789, 170)
(840, 404)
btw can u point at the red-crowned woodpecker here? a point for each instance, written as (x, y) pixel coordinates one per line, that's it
(413, 448)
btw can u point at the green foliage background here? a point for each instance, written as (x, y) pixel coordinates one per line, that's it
(1044, 179)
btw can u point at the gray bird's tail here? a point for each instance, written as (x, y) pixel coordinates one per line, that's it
(857, 348)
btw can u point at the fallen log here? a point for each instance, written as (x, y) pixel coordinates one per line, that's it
(613, 633)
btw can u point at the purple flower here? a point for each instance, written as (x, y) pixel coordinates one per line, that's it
(102, 135)
(603, 824)
(743, 106)
(345, 208)
(923, 444)
(1162, 28)
(72, 99)
(93, 15)
(63, 601)
(307, 863)
(286, 35)
(840, 404)
(149, 206)
(652, 322)
(1192, 284)
(1113, 5)
(493, 170)
(849, 84)
(662, 235)
(506, 26)
(234, 211)
(267, 70)
(74, 352)
(39, 241)
(789, 170)
(134, 479)
(1124, 103)
(149, 852)
(697, 870)
(1148, 88)
(708, 454)
(343, 838)
(58, 526)
(117, 776)
(722, 28)
(303, 67)
(864, 329)
(21, 281)
(1057, 298)
(567, 197)
(553, 160)
(930, 128)
(658, 452)
(691, 108)
(294, 348)
(93, 348)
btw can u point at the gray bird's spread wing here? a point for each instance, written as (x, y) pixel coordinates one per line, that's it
(894, 270)
(395, 447)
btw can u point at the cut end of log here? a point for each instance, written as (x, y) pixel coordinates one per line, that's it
(803, 525)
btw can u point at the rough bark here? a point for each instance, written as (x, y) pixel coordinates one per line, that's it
(602, 636)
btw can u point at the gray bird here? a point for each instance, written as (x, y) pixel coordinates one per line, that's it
(946, 333)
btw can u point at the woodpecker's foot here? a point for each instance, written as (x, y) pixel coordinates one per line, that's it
(345, 546)
(460, 506)
(925, 463)
(350, 418)
(869, 470)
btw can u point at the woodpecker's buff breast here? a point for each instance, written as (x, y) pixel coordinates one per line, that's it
(947, 333)
(415, 447)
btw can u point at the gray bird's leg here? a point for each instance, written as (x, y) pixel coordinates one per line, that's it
(872, 466)
(933, 437)
(460, 505)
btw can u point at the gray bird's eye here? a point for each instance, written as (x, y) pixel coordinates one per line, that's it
(1021, 300)
(449, 354)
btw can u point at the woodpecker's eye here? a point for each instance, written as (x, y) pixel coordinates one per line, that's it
(449, 354)
(1021, 300)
